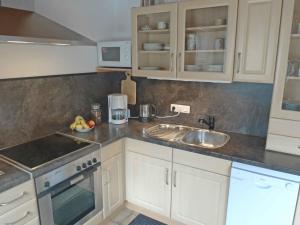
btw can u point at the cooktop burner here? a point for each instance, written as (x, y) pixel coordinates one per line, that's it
(43, 150)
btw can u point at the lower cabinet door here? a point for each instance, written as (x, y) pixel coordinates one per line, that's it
(199, 197)
(148, 183)
(113, 184)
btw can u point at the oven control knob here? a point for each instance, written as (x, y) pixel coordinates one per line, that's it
(94, 160)
(78, 168)
(47, 184)
(89, 163)
(84, 165)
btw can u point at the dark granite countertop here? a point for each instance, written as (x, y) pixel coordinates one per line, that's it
(11, 176)
(241, 148)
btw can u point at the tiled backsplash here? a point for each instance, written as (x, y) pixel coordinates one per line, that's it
(35, 107)
(238, 107)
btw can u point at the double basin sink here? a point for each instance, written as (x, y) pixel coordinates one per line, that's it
(188, 135)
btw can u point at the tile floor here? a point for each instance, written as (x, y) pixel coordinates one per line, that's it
(123, 218)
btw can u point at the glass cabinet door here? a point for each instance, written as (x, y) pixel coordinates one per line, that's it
(154, 41)
(206, 40)
(286, 100)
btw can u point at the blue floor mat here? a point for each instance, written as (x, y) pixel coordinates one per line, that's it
(144, 220)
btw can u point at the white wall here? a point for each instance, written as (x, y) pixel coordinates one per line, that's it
(34, 60)
(96, 19)
(19, 4)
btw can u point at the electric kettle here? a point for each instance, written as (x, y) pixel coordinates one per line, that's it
(147, 112)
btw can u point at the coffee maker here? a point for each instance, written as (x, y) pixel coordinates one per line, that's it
(117, 108)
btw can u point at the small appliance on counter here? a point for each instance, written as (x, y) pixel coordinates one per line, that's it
(147, 112)
(114, 54)
(117, 108)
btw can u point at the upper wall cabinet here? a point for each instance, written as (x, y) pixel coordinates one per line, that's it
(206, 40)
(286, 96)
(154, 38)
(257, 40)
(284, 125)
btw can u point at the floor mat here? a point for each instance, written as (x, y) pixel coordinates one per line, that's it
(144, 220)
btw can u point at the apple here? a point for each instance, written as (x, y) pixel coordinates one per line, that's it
(91, 123)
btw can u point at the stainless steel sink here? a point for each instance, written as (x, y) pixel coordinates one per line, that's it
(167, 132)
(205, 139)
(187, 135)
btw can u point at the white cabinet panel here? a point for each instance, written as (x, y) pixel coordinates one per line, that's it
(16, 196)
(257, 40)
(113, 184)
(199, 197)
(148, 183)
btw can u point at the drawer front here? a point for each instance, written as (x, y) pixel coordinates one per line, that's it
(21, 215)
(284, 144)
(208, 163)
(111, 150)
(16, 196)
(149, 149)
(284, 127)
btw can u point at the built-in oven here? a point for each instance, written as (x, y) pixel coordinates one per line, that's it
(72, 194)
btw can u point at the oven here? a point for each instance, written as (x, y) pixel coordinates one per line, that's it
(70, 200)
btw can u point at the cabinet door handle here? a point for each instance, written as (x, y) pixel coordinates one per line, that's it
(239, 62)
(298, 146)
(167, 176)
(171, 63)
(179, 62)
(19, 220)
(14, 200)
(174, 179)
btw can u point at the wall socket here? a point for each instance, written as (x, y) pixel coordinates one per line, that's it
(181, 108)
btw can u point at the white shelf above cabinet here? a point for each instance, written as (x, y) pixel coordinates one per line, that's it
(155, 31)
(208, 28)
(206, 51)
(295, 36)
(154, 52)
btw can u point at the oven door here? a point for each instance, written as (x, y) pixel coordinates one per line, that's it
(74, 201)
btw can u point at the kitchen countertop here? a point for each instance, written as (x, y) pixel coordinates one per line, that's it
(240, 148)
(11, 176)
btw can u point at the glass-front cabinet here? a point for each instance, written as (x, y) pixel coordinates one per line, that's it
(286, 100)
(206, 40)
(154, 39)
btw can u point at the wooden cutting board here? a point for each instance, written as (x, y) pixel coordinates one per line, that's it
(128, 87)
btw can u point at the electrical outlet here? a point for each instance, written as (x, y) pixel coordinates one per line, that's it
(181, 108)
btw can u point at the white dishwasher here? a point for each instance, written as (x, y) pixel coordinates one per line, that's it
(259, 196)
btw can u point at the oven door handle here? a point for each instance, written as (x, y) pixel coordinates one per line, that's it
(72, 180)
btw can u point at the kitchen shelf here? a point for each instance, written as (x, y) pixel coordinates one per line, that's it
(292, 78)
(155, 31)
(154, 52)
(208, 28)
(112, 69)
(206, 51)
(295, 35)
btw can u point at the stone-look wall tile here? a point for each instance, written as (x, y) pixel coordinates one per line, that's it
(238, 107)
(35, 107)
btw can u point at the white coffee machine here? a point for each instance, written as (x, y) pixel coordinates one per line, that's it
(117, 108)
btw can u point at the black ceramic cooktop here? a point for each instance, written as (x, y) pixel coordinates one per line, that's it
(43, 150)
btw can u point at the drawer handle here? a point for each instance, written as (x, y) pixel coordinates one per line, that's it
(14, 200)
(19, 220)
(298, 146)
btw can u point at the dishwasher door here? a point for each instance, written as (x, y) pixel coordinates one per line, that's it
(260, 196)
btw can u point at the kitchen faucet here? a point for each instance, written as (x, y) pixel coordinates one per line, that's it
(210, 122)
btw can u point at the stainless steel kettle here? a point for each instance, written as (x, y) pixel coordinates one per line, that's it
(147, 112)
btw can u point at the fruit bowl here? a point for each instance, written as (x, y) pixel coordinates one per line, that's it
(84, 130)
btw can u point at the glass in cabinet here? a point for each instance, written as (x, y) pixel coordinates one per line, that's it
(286, 96)
(154, 31)
(206, 40)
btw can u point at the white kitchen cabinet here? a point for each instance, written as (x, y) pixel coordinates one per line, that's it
(198, 197)
(208, 22)
(160, 61)
(148, 182)
(284, 123)
(113, 184)
(257, 40)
